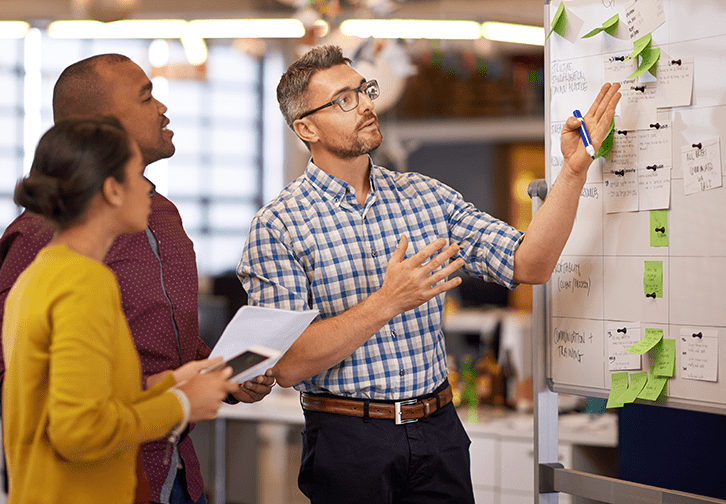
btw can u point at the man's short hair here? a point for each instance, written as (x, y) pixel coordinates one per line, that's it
(81, 91)
(294, 82)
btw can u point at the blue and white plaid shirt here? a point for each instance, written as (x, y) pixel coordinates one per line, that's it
(314, 246)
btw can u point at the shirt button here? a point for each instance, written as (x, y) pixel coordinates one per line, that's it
(393, 333)
(402, 372)
(374, 254)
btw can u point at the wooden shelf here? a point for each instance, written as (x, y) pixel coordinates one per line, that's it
(496, 130)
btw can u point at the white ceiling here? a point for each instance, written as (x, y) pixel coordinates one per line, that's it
(522, 11)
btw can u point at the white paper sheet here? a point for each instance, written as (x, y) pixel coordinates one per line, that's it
(699, 354)
(702, 166)
(620, 175)
(643, 16)
(269, 327)
(622, 335)
(675, 82)
(637, 171)
(654, 167)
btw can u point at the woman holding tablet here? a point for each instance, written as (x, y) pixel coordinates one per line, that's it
(74, 409)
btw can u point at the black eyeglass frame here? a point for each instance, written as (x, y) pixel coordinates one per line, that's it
(363, 88)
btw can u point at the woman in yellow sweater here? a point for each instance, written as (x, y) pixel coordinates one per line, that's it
(74, 412)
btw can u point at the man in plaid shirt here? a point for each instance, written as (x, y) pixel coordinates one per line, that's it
(372, 249)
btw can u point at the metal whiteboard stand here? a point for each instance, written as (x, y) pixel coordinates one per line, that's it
(546, 439)
(551, 477)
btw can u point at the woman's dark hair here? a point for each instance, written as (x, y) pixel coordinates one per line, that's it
(72, 160)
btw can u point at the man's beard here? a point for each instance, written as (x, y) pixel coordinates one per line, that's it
(357, 148)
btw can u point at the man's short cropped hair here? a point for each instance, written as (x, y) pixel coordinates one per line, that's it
(81, 91)
(294, 82)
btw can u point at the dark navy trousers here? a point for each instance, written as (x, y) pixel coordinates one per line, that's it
(352, 460)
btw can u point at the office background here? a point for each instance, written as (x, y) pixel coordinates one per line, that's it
(469, 112)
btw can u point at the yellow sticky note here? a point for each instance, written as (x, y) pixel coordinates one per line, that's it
(640, 45)
(559, 22)
(608, 142)
(651, 339)
(659, 228)
(648, 62)
(637, 382)
(610, 27)
(656, 388)
(665, 358)
(617, 389)
(653, 279)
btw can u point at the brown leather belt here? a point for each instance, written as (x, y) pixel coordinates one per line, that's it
(401, 411)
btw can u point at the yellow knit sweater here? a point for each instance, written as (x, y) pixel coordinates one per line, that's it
(74, 413)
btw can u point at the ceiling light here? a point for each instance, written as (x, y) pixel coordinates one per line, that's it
(508, 32)
(13, 29)
(411, 29)
(195, 49)
(178, 28)
(247, 28)
(323, 26)
(125, 29)
(159, 53)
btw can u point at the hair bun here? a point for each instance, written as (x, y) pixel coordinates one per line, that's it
(41, 195)
(72, 161)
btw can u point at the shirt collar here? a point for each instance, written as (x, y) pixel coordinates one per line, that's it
(334, 188)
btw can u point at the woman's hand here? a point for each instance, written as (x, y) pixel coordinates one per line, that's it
(206, 391)
(191, 368)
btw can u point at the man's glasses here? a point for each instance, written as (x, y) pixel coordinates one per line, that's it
(348, 100)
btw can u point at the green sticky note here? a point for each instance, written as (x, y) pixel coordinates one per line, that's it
(637, 382)
(651, 339)
(653, 279)
(640, 45)
(649, 62)
(665, 358)
(610, 27)
(654, 388)
(607, 143)
(559, 22)
(659, 228)
(617, 389)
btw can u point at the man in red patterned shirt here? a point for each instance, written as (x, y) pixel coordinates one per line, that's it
(156, 270)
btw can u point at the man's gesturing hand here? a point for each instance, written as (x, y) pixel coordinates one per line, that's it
(410, 283)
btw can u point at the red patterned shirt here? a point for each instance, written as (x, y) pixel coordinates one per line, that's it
(156, 294)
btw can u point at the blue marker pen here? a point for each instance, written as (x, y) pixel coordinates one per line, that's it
(584, 134)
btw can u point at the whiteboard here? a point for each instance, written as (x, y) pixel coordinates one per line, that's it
(599, 280)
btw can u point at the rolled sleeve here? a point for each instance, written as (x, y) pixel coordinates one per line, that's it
(269, 271)
(487, 244)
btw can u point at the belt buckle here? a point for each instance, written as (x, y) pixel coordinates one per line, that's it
(397, 408)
